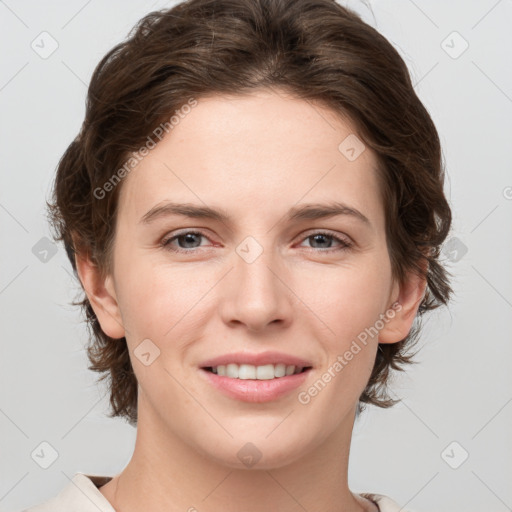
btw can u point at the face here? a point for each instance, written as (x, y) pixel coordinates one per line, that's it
(268, 277)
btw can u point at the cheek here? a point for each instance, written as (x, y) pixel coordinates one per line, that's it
(347, 299)
(349, 303)
(160, 301)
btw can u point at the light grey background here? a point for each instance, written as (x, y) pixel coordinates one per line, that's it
(461, 391)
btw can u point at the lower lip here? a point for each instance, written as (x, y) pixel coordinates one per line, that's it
(251, 390)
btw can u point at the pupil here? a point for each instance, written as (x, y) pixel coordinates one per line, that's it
(187, 237)
(316, 237)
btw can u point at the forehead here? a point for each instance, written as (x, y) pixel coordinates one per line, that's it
(262, 150)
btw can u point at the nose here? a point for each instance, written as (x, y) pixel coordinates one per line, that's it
(256, 294)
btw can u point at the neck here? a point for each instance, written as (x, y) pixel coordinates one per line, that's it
(165, 474)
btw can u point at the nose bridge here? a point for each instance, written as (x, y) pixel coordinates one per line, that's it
(257, 296)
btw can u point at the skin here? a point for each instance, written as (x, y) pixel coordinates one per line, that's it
(254, 156)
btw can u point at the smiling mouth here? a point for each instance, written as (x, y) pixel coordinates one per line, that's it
(251, 372)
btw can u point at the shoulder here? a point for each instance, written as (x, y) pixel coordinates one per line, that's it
(81, 494)
(385, 503)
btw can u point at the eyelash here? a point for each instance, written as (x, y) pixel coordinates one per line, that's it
(166, 243)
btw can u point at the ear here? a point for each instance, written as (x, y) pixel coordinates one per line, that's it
(410, 295)
(102, 296)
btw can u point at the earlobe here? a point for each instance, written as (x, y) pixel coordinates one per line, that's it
(411, 293)
(101, 294)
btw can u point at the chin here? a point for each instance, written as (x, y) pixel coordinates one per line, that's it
(259, 454)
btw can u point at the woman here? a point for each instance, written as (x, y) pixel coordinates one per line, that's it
(254, 207)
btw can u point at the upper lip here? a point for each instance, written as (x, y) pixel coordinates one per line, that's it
(260, 359)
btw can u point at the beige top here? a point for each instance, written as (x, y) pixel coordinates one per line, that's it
(82, 495)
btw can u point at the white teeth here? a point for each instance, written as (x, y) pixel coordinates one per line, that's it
(249, 371)
(245, 371)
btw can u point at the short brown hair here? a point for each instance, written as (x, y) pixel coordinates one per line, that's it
(316, 50)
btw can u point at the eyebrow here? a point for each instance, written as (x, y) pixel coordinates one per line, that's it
(312, 211)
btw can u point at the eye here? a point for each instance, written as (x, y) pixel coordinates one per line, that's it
(325, 240)
(188, 239)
